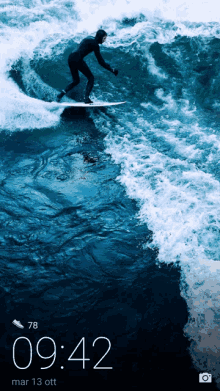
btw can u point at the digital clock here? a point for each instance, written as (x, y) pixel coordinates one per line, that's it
(53, 356)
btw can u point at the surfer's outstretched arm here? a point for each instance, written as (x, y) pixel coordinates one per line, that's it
(102, 62)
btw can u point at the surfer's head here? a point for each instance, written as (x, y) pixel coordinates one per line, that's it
(101, 36)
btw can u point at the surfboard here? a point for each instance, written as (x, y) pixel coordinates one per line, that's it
(82, 104)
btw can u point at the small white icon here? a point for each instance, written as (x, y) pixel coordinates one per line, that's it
(18, 324)
(61, 367)
(205, 378)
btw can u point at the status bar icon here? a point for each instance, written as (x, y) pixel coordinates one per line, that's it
(18, 324)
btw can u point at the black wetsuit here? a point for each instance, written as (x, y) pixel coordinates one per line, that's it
(76, 62)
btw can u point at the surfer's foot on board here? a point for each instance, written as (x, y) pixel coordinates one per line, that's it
(59, 96)
(88, 100)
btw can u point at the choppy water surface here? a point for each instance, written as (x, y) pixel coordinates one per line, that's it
(110, 217)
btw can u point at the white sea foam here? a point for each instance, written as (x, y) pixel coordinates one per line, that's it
(194, 11)
(18, 110)
(179, 202)
(181, 205)
(30, 30)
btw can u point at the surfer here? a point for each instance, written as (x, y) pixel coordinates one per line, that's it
(76, 63)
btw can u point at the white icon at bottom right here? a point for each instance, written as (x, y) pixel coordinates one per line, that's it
(205, 378)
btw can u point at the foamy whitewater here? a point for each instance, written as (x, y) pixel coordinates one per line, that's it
(165, 140)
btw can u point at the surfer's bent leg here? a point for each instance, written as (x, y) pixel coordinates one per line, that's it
(76, 80)
(83, 67)
(75, 75)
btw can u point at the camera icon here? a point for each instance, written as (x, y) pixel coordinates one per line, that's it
(205, 378)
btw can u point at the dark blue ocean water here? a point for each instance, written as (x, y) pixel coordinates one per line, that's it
(109, 218)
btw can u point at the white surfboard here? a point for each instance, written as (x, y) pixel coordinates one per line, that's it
(94, 104)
